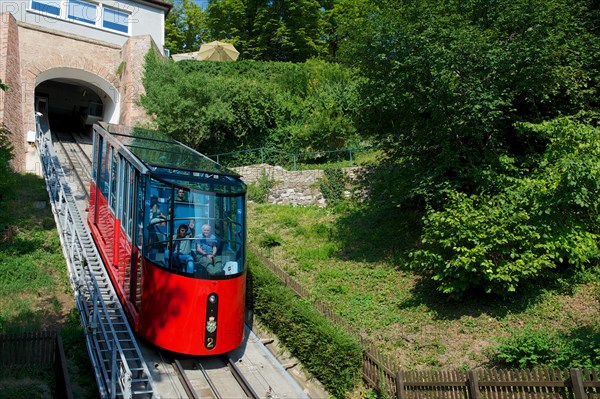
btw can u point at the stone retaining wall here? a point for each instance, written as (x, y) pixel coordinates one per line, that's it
(298, 187)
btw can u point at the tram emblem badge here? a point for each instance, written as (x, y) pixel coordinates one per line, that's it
(211, 325)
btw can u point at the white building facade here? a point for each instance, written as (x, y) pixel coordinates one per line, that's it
(79, 59)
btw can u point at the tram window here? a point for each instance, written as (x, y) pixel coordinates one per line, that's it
(113, 183)
(139, 217)
(157, 218)
(103, 182)
(126, 196)
(130, 196)
(95, 160)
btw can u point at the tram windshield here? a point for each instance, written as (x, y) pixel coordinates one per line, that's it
(195, 232)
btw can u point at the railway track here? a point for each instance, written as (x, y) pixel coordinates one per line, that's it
(250, 376)
(215, 377)
(76, 152)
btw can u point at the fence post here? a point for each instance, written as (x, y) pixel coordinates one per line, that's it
(262, 155)
(473, 384)
(577, 384)
(63, 382)
(400, 385)
(350, 150)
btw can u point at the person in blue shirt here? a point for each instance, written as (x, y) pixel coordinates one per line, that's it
(206, 248)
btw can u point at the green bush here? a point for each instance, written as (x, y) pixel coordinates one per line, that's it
(249, 104)
(6, 155)
(497, 241)
(270, 240)
(332, 186)
(259, 191)
(530, 348)
(331, 355)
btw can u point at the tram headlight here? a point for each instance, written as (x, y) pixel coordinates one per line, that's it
(212, 298)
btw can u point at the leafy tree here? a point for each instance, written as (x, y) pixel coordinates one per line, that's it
(229, 20)
(534, 224)
(447, 81)
(341, 21)
(184, 27)
(451, 87)
(268, 30)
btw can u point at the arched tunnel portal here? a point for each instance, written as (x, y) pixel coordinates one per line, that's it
(74, 99)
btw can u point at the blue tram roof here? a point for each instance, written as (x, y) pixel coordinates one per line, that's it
(160, 153)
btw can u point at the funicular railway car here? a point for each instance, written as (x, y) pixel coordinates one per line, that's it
(170, 226)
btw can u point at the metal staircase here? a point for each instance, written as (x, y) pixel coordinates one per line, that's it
(116, 358)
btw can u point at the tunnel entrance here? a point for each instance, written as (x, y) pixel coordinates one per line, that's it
(70, 105)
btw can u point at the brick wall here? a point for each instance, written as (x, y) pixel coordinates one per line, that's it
(28, 51)
(11, 100)
(134, 53)
(60, 50)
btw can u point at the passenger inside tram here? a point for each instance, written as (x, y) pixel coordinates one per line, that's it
(181, 196)
(182, 248)
(157, 229)
(214, 252)
(206, 250)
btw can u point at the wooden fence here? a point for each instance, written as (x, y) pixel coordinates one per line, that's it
(43, 349)
(383, 375)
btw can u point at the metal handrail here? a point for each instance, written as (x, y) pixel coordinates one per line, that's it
(110, 364)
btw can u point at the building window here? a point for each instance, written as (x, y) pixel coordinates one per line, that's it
(115, 20)
(82, 11)
(86, 12)
(47, 7)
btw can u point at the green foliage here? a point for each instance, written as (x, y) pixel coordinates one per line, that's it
(219, 107)
(33, 283)
(184, 27)
(333, 185)
(32, 266)
(497, 242)
(448, 80)
(269, 31)
(531, 348)
(331, 355)
(259, 191)
(270, 240)
(6, 155)
(352, 259)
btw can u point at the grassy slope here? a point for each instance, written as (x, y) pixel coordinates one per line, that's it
(35, 293)
(34, 289)
(351, 261)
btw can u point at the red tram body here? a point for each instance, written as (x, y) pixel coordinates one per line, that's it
(186, 301)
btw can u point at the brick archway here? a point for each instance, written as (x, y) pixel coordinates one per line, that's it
(77, 69)
(32, 54)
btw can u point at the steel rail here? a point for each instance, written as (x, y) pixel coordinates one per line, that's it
(237, 374)
(185, 381)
